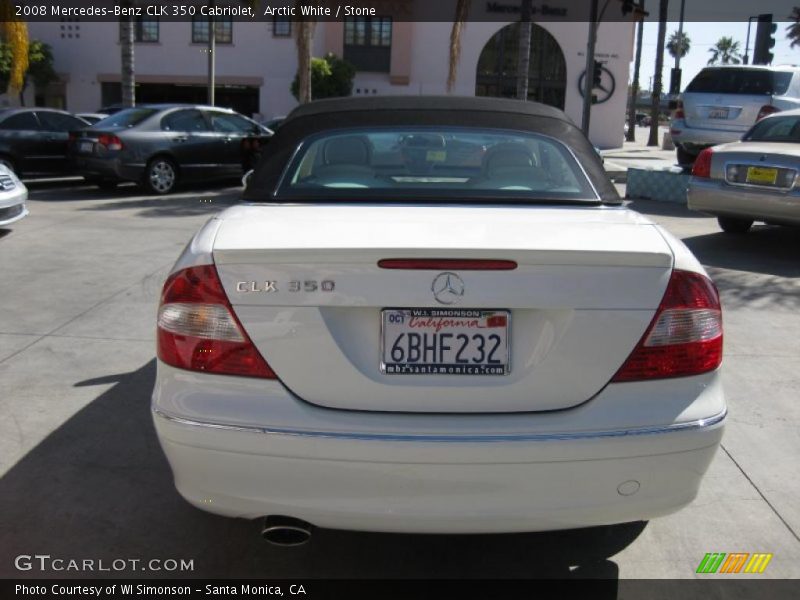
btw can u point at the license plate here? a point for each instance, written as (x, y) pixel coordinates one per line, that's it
(762, 175)
(718, 113)
(86, 147)
(422, 341)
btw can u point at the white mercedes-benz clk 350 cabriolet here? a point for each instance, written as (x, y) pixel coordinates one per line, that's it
(435, 315)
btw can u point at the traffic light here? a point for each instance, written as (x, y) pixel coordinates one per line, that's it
(597, 74)
(765, 40)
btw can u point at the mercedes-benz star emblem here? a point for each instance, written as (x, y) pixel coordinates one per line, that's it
(447, 288)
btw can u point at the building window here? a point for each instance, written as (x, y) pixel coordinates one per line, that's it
(145, 29)
(281, 27)
(368, 43)
(223, 29)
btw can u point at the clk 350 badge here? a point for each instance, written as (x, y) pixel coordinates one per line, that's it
(247, 287)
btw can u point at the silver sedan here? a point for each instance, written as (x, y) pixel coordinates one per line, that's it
(13, 195)
(755, 179)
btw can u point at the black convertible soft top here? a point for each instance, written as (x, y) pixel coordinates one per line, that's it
(461, 111)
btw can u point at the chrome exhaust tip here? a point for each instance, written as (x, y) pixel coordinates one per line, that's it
(286, 531)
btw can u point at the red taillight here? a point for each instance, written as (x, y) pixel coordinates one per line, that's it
(702, 165)
(73, 135)
(111, 142)
(198, 330)
(685, 336)
(678, 114)
(444, 264)
(765, 110)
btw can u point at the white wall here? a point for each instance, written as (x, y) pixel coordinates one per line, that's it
(256, 53)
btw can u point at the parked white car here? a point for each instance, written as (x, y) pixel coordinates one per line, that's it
(722, 103)
(435, 315)
(13, 195)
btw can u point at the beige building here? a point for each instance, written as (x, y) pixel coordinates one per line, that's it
(256, 61)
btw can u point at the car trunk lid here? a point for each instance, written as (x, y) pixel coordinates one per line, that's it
(306, 285)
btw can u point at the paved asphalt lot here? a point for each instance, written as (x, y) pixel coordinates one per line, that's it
(82, 476)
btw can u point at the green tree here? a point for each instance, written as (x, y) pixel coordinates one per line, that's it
(679, 44)
(726, 52)
(40, 66)
(331, 77)
(793, 30)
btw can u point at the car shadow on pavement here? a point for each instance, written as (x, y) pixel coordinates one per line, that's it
(178, 205)
(765, 249)
(99, 487)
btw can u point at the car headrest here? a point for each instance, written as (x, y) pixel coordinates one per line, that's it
(505, 155)
(347, 150)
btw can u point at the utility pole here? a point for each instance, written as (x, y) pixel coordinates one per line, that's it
(212, 43)
(588, 80)
(746, 59)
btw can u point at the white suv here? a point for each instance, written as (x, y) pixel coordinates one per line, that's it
(722, 103)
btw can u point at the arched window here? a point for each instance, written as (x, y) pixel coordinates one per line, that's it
(497, 67)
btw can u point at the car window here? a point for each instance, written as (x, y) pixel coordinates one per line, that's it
(24, 120)
(52, 121)
(130, 117)
(740, 81)
(190, 120)
(230, 123)
(459, 162)
(775, 129)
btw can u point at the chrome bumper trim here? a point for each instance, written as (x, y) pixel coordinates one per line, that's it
(471, 438)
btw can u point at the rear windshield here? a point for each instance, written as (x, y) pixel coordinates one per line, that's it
(775, 129)
(741, 81)
(435, 164)
(126, 118)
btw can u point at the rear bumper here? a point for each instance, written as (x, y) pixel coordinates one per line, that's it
(441, 474)
(698, 137)
(718, 198)
(107, 168)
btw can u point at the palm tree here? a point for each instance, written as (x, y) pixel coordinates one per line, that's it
(631, 137)
(726, 52)
(462, 13)
(303, 41)
(524, 51)
(656, 97)
(679, 44)
(15, 33)
(793, 30)
(127, 41)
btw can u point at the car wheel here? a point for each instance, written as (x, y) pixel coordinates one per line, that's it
(731, 225)
(160, 176)
(684, 157)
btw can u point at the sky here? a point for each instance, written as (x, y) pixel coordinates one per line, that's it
(703, 36)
